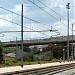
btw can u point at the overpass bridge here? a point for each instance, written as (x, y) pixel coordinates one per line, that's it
(54, 40)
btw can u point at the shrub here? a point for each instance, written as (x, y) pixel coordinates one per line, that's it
(9, 63)
(13, 60)
(54, 60)
(1, 50)
(39, 62)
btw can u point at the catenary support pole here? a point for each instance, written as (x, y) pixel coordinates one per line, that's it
(72, 43)
(22, 37)
(67, 6)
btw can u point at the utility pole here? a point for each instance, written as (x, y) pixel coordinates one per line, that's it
(67, 6)
(22, 37)
(72, 43)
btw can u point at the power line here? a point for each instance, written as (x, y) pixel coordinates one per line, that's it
(48, 13)
(50, 8)
(20, 25)
(29, 31)
(8, 23)
(23, 16)
(43, 10)
(14, 23)
(20, 15)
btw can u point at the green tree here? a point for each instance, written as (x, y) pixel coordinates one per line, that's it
(8, 50)
(1, 53)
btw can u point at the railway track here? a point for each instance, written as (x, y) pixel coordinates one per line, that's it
(51, 70)
(72, 74)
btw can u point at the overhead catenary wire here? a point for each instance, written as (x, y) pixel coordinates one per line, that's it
(53, 10)
(26, 18)
(23, 16)
(29, 31)
(20, 15)
(9, 22)
(50, 9)
(14, 23)
(46, 24)
(43, 9)
(48, 13)
(23, 26)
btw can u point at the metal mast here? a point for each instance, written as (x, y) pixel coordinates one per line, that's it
(72, 43)
(67, 6)
(22, 37)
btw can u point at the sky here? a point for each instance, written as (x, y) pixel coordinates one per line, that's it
(39, 15)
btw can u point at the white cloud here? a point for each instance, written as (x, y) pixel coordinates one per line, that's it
(2, 22)
(18, 8)
(36, 15)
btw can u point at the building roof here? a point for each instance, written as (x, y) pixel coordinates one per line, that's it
(10, 55)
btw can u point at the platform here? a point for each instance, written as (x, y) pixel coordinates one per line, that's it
(29, 67)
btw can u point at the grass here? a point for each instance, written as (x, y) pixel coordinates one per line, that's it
(15, 63)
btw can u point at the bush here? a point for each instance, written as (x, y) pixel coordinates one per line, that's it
(9, 63)
(39, 62)
(13, 60)
(28, 63)
(54, 60)
(1, 51)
